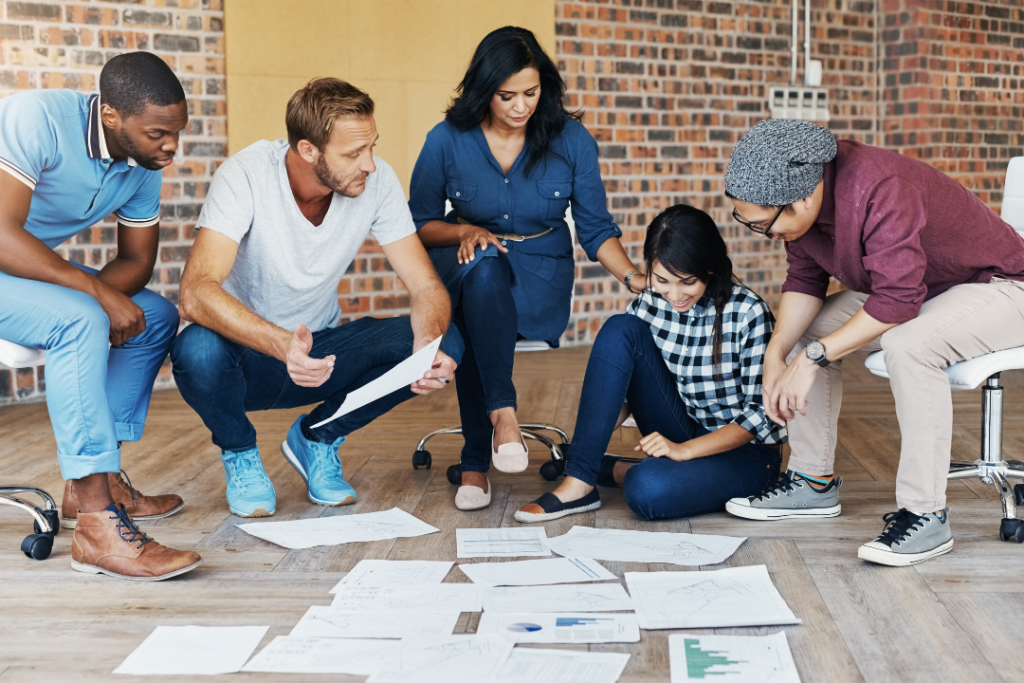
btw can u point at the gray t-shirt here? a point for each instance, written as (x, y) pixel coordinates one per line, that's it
(287, 270)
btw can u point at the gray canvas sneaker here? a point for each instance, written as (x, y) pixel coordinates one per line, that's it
(790, 497)
(909, 538)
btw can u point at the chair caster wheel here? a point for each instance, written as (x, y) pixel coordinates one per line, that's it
(1018, 493)
(1012, 530)
(37, 546)
(552, 469)
(455, 475)
(53, 517)
(421, 459)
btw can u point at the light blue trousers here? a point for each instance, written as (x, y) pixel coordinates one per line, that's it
(97, 396)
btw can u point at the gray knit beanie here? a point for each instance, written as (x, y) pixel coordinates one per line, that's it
(778, 162)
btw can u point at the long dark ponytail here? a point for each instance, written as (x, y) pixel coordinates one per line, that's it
(502, 54)
(686, 242)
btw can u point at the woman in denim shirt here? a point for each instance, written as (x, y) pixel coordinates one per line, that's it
(510, 159)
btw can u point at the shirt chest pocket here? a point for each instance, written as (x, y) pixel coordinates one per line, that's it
(461, 195)
(555, 193)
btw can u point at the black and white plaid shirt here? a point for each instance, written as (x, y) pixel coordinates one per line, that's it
(686, 340)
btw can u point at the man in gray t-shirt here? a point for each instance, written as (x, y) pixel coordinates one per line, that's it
(281, 224)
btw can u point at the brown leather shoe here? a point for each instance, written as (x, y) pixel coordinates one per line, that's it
(108, 542)
(142, 508)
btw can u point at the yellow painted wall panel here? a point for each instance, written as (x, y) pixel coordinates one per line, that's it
(409, 55)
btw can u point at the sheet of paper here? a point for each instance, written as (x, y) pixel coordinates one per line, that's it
(530, 665)
(575, 627)
(191, 650)
(398, 377)
(286, 654)
(335, 530)
(528, 541)
(732, 659)
(442, 597)
(620, 545)
(324, 622)
(445, 659)
(594, 597)
(395, 572)
(740, 596)
(536, 572)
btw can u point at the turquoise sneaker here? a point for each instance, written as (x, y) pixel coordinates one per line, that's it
(320, 466)
(250, 493)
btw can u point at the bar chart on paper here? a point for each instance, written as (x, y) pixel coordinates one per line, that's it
(699, 661)
(735, 659)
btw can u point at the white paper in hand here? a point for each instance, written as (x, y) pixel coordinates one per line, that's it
(402, 375)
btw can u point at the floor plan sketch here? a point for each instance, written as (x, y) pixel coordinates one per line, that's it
(338, 529)
(740, 596)
(395, 572)
(600, 597)
(442, 597)
(324, 622)
(446, 659)
(623, 545)
(287, 654)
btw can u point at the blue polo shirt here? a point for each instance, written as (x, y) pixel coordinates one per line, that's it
(52, 140)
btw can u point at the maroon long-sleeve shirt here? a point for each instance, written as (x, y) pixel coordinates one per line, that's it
(901, 231)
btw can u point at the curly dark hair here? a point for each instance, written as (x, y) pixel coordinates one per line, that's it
(499, 56)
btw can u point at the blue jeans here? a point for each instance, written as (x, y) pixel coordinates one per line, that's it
(222, 380)
(97, 396)
(485, 314)
(626, 365)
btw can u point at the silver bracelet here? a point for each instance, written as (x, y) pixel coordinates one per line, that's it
(629, 277)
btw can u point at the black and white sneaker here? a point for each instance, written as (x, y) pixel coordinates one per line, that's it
(791, 496)
(909, 538)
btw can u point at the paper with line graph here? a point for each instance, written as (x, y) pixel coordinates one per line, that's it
(740, 596)
(583, 597)
(286, 654)
(445, 659)
(338, 529)
(532, 665)
(732, 659)
(389, 572)
(536, 572)
(442, 597)
(573, 627)
(323, 622)
(514, 542)
(623, 545)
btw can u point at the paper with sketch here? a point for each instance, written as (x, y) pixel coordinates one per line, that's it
(622, 545)
(394, 572)
(530, 665)
(402, 375)
(324, 622)
(445, 659)
(536, 572)
(514, 542)
(286, 654)
(442, 597)
(573, 627)
(594, 597)
(740, 596)
(193, 650)
(338, 529)
(735, 659)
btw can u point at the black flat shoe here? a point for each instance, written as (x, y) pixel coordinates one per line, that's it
(553, 508)
(605, 476)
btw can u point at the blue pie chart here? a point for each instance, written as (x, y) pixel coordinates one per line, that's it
(523, 627)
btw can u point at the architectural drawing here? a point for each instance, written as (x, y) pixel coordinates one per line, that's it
(644, 546)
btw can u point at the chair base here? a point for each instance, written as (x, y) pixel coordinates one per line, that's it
(46, 520)
(1000, 474)
(550, 470)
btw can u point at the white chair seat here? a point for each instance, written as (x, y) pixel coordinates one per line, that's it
(968, 374)
(17, 356)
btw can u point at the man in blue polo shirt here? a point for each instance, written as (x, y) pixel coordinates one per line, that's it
(69, 161)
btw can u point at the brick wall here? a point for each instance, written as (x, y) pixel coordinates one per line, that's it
(64, 45)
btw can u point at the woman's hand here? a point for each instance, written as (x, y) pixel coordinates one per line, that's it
(473, 237)
(657, 446)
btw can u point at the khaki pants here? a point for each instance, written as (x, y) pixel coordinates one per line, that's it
(965, 322)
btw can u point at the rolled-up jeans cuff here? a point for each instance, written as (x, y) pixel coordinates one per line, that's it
(498, 405)
(480, 469)
(129, 431)
(78, 466)
(582, 475)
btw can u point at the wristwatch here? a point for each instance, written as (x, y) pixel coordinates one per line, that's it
(816, 352)
(629, 276)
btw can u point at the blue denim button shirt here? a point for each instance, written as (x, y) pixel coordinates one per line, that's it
(460, 167)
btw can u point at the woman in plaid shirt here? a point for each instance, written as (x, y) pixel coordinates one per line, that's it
(686, 358)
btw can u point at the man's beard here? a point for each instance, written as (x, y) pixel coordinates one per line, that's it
(329, 179)
(131, 150)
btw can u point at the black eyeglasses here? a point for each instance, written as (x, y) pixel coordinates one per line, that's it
(754, 226)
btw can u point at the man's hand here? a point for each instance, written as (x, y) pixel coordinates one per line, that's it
(655, 445)
(306, 371)
(472, 237)
(789, 394)
(126, 318)
(437, 377)
(774, 367)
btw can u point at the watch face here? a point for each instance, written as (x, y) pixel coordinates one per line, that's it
(815, 350)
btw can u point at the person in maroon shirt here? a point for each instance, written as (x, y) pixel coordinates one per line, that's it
(931, 275)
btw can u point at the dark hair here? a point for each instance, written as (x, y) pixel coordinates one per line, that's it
(130, 81)
(686, 242)
(500, 55)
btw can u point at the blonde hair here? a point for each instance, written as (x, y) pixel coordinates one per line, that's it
(312, 111)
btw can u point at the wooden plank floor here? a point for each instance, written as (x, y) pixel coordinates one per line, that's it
(956, 618)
